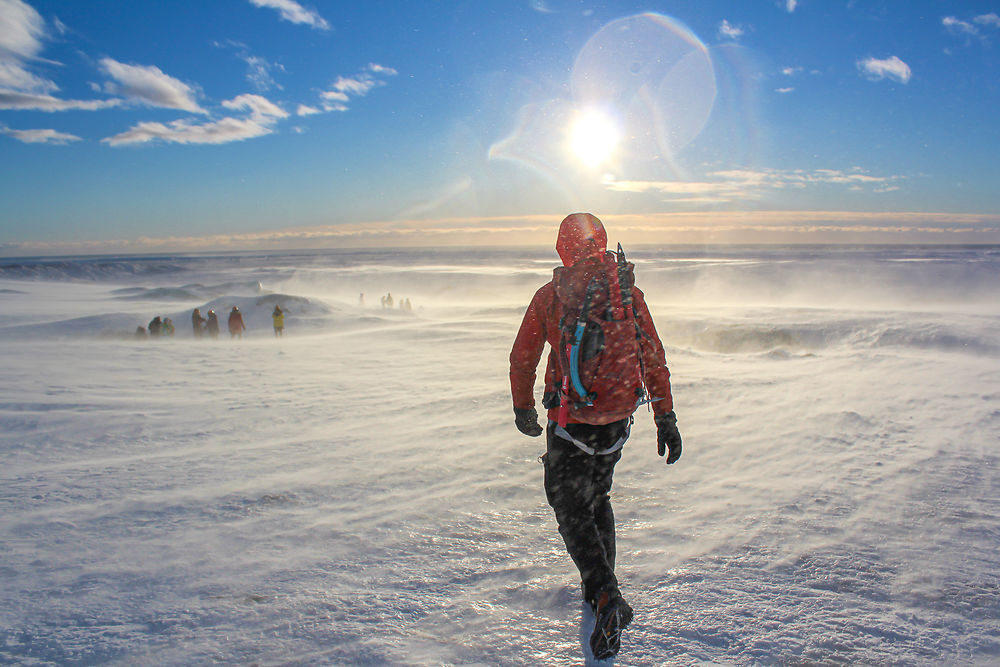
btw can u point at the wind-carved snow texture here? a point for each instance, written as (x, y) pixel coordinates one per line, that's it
(356, 493)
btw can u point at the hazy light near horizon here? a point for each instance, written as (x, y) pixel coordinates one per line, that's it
(594, 137)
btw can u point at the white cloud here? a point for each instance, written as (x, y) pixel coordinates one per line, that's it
(149, 85)
(294, 12)
(17, 100)
(730, 31)
(333, 105)
(784, 90)
(185, 132)
(335, 95)
(258, 106)
(891, 68)
(375, 68)
(39, 136)
(990, 19)
(791, 71)
(22, 30)
(259, 72)
(358, 85)
(263, 114)
(305, 110)
(790, 5)
(354, 86)
(958, 26)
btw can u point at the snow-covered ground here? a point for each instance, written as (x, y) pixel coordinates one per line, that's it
(355, 493)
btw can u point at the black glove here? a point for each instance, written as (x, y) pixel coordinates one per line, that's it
(667, 436)
(526, 421)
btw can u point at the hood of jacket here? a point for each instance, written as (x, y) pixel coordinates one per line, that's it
(581, 235)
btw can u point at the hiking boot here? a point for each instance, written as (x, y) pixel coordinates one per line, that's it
(612, 615)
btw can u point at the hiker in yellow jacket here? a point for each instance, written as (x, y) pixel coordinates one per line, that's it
(279, 321)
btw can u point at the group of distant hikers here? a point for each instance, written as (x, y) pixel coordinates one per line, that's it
(387, 301)
(157, 328)
(202, 325)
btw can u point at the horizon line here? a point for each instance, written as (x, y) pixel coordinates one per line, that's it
(778, 227)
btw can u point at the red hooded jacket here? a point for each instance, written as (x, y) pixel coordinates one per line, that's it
(581, 235)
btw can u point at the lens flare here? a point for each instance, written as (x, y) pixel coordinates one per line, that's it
(642, 90)
(594, 137)
(657, 74)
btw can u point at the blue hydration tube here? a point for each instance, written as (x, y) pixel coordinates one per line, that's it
(574, 350)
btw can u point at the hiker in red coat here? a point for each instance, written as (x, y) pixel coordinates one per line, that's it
(605, 358)
(236, 326)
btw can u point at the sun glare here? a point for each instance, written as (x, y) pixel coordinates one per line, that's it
(593, 137)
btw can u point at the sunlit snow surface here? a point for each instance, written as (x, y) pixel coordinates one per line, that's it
(355, 493)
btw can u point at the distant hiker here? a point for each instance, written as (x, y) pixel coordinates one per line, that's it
(154, 327)
(279, 321)
(213, 324)
(236, 325)
(388, 300)
(408, 305)
(167, 329)
(605, 359)
(361, 300)
(197, 323)
(140, 332)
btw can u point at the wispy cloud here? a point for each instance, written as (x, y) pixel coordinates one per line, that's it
(344, 88)
(784, 91)
(262, 116)
(22, 31)
(37, 102)
(887, 68)
(790, 5)
(147, 84)
(22, 36)
(972, 28)
(260, 71)
(258, 106)
(791, 71)
(730, 31)
(958, 26)
(990, 19)
(294, 12)
(222, 131)
(39, 136)
(736, 185)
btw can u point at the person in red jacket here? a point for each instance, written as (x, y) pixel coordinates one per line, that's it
(583, 443)
(236, 325)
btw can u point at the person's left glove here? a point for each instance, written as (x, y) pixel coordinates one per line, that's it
(667, 436)
(526, 421)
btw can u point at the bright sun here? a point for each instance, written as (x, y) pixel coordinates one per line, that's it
(593, 137)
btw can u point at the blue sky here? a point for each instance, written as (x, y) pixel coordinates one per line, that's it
(162, 125)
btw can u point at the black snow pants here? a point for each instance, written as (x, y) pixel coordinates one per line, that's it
(577, 486)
